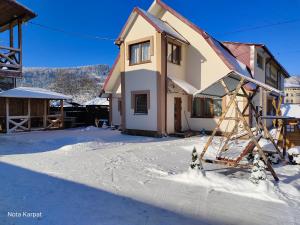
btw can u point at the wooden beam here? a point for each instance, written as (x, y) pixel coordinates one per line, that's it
(29, 114)
(7, 114)
(62, 113)
(11, 35)
(222, 117)
(20, 46)
(45, 114)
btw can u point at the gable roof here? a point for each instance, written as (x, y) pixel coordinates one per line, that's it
(263, 46)
(159, 25)
(230, 61)
(111, 72)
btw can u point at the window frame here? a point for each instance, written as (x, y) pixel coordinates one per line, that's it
(140, 49)
(211, 108)
(261, 66)
(172, 44)
(134, 94)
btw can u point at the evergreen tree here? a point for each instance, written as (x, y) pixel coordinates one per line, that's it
(196, 162)
(258, 171)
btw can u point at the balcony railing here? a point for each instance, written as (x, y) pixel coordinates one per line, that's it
(10, 61)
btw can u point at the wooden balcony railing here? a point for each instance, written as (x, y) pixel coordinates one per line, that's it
(10, 60)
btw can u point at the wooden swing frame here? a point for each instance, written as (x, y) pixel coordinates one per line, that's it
(241, 116)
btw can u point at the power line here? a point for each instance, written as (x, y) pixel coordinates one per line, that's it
(74, 34)
(259, 27)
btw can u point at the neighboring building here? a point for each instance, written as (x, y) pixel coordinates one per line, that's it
(164, 59)
(292, 90)
(12, 16)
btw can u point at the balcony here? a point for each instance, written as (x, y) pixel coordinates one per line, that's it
(12, 16)
(10, 62)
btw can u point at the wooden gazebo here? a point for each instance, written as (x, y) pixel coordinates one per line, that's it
(12, 14)
(25, 109)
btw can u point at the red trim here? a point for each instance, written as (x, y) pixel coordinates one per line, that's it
(205, 35)
(139, 12)
(111, 71)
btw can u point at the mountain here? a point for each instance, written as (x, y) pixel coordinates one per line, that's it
(293, 81)
(83, 82)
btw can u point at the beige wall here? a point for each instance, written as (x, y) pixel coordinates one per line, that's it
(179, 71)
(203, 65)
(141, 77)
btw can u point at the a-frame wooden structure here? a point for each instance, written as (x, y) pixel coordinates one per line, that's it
(234, 86)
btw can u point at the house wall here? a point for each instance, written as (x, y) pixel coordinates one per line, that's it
(203, 65)
(116, 116)
(141, 77)
(179, 71)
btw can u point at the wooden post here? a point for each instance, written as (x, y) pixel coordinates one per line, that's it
(222, 117)
(7, 115)
(45, 114)
(20, 41)
(11, 35)
(29, 114)
(262, 126)
(62, 113)
(284, 137)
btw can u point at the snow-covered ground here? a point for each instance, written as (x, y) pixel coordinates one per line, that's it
(93, 176)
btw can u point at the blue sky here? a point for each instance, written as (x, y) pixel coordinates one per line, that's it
(106, 18)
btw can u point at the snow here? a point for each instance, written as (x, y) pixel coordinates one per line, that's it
(30, 92)
(238, 66)
(99, 176)
(163, 26)
(97, 101)
(290, 110)
(294, 151)
(188, 88)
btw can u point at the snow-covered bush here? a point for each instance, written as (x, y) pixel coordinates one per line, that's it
(196, 162)
(294, 155)
(258, 172)
(274, 158)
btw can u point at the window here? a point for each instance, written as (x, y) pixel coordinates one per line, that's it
(174, 53)
(140, 101)
(139, 53)
(260, 61)
(207, 107)
(272, 76)
(141, 104)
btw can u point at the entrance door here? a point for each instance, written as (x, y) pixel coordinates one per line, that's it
(177, 114)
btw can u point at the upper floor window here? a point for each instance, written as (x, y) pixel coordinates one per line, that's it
(207, 107)
(260, 61)
(139, 53)
(174, 53)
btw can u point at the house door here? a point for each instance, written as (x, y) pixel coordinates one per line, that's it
(177, 114)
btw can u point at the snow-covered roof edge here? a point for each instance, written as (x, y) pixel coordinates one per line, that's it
(31, 92)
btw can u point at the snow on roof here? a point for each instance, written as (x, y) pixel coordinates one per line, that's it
(163, 26)
(231, 80)
(292, 85)
(290, 110)
(237, 65)
(30, 92)
(97, 101)
(188, 88)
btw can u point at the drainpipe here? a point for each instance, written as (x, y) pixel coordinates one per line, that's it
(166, 81)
